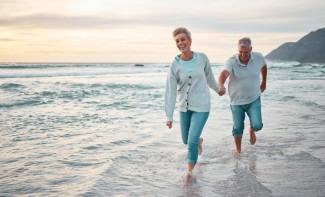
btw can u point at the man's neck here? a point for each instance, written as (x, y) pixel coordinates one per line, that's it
(244, 62)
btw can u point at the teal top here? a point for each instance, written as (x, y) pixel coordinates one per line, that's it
(188, 65)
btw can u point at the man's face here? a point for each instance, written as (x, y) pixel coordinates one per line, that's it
(244, 53)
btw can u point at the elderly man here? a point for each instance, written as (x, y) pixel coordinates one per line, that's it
(245, 88)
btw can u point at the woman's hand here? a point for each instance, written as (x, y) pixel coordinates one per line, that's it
(169, 124)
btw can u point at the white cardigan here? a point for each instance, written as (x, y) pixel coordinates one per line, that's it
(192, 89)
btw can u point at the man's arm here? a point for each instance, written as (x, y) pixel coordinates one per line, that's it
(221, 81)
(264, 76)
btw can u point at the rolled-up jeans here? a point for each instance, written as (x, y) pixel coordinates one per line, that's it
(192, 124)
(254, 113)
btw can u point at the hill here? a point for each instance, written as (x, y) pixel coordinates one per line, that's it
(309, 49)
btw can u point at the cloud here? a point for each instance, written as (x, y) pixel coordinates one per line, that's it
(143, 27)
(46, 21)
(224, 15)
(7, 40)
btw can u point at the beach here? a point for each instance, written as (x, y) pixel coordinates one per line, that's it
(98, 129)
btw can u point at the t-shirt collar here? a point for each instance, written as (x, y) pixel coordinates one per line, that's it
(178, 57)
(250, 59)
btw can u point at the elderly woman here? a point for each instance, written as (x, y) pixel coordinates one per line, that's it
(189, 77)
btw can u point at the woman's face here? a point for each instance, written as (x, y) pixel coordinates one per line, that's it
(183, 43)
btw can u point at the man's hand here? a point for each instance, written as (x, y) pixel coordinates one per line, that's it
(262, 87)
(221, 81)
(264, 74)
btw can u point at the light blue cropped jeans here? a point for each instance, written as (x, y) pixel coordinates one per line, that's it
(192, 124)
(254, 113)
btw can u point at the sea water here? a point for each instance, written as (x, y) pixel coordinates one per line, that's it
(91, 129)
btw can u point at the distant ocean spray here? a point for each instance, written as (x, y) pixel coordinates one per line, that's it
(98, 129)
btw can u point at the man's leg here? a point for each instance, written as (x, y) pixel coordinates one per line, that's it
(252, 136)
(238, 144)
(255, 117)
(238, 116)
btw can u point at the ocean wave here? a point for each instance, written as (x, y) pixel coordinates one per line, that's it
(79, 91)
(287, 98)
(48, 93)
(313, 104)
(304, 156)
(7, 86)
(71, 72)
(58, 65)
(302, 102)
(129, 86)
(22, 103)
(286, 65)
(76, 65)
(119, 86)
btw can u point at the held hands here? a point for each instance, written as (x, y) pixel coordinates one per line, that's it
(169, 124)
(222, 90)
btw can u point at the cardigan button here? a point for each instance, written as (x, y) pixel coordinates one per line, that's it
(189, 84)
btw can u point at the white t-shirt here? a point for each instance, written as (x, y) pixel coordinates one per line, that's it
(244, 80)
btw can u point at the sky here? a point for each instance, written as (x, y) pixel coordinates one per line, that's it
(140, 31)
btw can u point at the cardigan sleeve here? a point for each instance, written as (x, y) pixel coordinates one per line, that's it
(170, 94)
(210, 77)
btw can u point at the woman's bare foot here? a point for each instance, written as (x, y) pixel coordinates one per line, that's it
(188, 177)
(252, 137)
(200, 146)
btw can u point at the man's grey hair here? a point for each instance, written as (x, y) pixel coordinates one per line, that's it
(246, 42)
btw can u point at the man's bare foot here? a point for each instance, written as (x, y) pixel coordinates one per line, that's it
(200, 146)
(252, 137)
(236, 152)
(238, 145)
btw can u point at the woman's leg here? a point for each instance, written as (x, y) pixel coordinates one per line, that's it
(185, 121)
(198, 121)
(200, 146)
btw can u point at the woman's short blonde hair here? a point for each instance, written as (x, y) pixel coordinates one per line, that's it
(180, 30)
